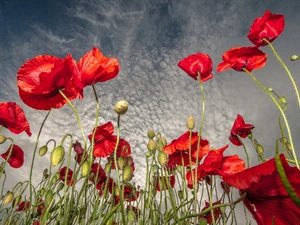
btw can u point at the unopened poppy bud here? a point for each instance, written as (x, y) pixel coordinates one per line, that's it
(180, 194)
(16, 200)
(282, 100)
(48, 197)
(155, 168)
(55, 177)
(43, 150)
(8, 198)
(45, 173)
(202, 221)
(162, 158)
(107, 167)
(121, 162)
(249, 134)
(223, 209)
(121, 107)
(164, 141)
(294, 57)
(260, 149)
(2, 139)
(151, 145)
(190, 123)
(179, 169)
(148, 154)
(57, 155)
(289, 146)
(60, 186)
(151, 134)
(127, 173)
(269, 89)
(130, 216)
(42, 191)
(85, 169)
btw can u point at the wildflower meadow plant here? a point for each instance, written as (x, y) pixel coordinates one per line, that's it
(187, 181)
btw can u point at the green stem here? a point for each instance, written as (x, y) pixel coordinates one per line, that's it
(281, 111)
(245, 150)
(286, 69)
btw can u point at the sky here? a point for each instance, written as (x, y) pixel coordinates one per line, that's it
(149, 38)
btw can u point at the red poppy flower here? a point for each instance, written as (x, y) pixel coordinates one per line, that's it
(239, 128)
(16, 159)
(41, 78)
(266, 196)
(79, 152)
(195, 63)
(13, 118)
(63, 174)
(130, 193)
(270, 26)
(161, 182)
(216, 164)
(95, 67)
(240, 58)
(23, 206)
(178, 149)
(216, 212)
(99, 175)
(105, 142)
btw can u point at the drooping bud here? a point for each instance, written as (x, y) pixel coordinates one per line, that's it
(148, 154)
(164, 141)
(151, 145)
(127, 173)
(260, 149)
(8, 198)
(121, 107)
(2, 139)
(45, 173)
(121, 162)
(16, 200)
(155, 168)
(107, 167)
(249, 134)
(162, 158)
(294, 57)
(55, 177)
(283, 100)
(85, 169)
(190, 123)
(57, 155)
(48, 197)
(151, 134)
(43, 150)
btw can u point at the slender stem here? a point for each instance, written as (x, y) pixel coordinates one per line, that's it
(246, 152)
(286, 69)
(281, 111)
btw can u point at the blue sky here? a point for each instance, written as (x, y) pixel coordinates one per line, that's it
(149, 38)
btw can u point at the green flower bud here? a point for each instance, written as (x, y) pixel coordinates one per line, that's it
(294, 57)
(48, 197)
(151, 134)
(43, 150)
(289, 146)
(60, 186)
(260, 149)
(8, 198)
(131, 216)
(162, 158)
(180, 194)
(269, 89)
(2, 139)
(55, 177)
(223, 209)
(121, 162)
(16, 200)
(107, 167)
(151, 145)
(155, 168)
(148, 154)
(121, 107)
(249, 135)
(127, 173)
(45, 173)
(190, 123)
(57, 155)
(164, 141)
(202, 221)
(85, 169)
(282, 100)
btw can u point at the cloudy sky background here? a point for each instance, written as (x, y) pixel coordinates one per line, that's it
(149, 37)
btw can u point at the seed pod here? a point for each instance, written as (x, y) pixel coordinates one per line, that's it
(162, 158)
(2, 139)
(151, 134)
(127, 173)
(43, 150)
(57, 155)
(121, 107)
(85, 169)
(190, 123)
(48, 197)
(151, 145)
(8, 198)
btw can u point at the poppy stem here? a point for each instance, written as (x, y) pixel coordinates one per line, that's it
(246, 152)
(282, 114)
(286, 69)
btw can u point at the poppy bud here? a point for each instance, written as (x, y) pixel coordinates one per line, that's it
(151, 134)
(130, 215)
(289, 146)
(16, 200)
(190, 123)
(45, 173)
(269, 89)
(8, 198)
(48, 197)
(121, 162)
(155, 168)
(148, 154)
(179, 169)
(57, 155)
(60, 186)
(162, 158)
(164, 141)
(127, 173)
(294, 57)
(2, 139)
(180, 194)
(202, 221)
(85, 169)
(107, 167)
(249, 134)
(151, 145)
(121, 107)
(42, 191)
(282, 100)
(43, 150)
(55, 177)
(223, 209)
(259, 149)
